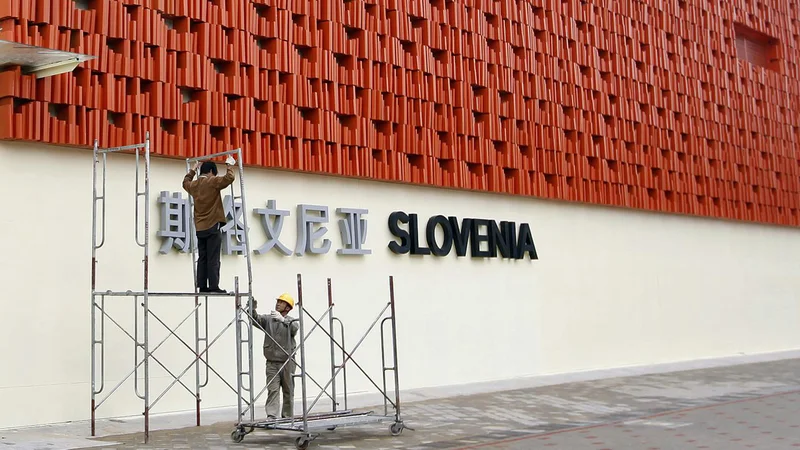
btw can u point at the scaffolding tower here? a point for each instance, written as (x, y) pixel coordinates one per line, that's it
(243, 319)
(308, 424)
(141, 297)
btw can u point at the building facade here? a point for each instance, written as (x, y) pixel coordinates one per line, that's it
(650, 150)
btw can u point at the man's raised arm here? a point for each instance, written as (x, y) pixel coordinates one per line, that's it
(187, 179)
(225, 180)
(260, 320)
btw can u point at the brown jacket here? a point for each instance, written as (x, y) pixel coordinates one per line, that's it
(208, 210)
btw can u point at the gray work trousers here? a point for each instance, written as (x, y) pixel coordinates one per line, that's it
(283, 382)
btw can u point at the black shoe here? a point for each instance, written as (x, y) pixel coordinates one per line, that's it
(217, 291)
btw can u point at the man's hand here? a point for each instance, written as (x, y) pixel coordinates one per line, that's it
(230, 160)
(255, 304)
(277, 316)
(197, 166)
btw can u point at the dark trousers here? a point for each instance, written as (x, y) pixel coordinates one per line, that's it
(209, 244)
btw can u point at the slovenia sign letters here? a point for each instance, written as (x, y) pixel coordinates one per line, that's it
(500, 239)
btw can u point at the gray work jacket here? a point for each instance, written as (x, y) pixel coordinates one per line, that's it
(279, 338)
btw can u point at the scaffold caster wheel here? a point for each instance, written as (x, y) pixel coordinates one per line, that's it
(396, 429)
(302, 443)
(237, 435)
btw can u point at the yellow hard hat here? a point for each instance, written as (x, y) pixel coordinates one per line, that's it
(286, 298)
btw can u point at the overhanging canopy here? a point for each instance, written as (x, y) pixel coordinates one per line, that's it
(43, 62)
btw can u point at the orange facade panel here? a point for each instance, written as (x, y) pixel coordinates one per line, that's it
(687, 108)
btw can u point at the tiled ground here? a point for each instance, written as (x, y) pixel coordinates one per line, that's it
(738, 407)
(770, 422)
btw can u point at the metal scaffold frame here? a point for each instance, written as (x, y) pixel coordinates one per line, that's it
(141, 298)
(243, 319)
(307, 423)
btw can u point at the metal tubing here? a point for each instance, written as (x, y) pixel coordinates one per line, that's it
(344, 370)
(333, 348)
(302, 353)
(94, 206)
(172, 374)
(197, 362)
(103, 198)
(246, 233)
(204, 361)
(244, 223)
(164, 294)
(94, 408)
(93, 279)
(136, 361)
(172, 332)
(146, 213)
(94, 305)
(115, 389)
(102, 345)
(139, 363)
(161, 342)
(316, 383)
(252, 388)
(136, 346)
(136, 204)
(358, 366)
(146, 287)
(205, 340)
(192, 235)
(238, 320)
(241, 372)
(213, 155)
(292, 354)
(350, 355)
(124, 148)
(394, 349)
(383, 366)
(193, 249)
(98, 200)
(219, 335)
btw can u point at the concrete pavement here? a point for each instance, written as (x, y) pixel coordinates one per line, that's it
(736, 407)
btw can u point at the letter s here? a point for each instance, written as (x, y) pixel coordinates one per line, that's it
(395, 219)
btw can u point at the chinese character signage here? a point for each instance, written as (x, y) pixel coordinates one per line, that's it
(480, 238)
(308, 217)
(354, 231)
(233, 231)
(175, 230)
(272, 220)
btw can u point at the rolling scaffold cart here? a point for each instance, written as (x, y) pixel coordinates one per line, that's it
(308, 424)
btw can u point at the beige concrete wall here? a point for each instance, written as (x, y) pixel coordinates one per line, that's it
(612, 288)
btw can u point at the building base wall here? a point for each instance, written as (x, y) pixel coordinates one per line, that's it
(612, 288)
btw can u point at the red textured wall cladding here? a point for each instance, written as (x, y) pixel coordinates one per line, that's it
(612, 102)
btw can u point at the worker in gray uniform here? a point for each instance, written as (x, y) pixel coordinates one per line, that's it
(279, 344)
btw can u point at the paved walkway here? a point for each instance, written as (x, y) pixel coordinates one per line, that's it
(737, 407)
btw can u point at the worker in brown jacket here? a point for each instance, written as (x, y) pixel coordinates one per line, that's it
(209, 217)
